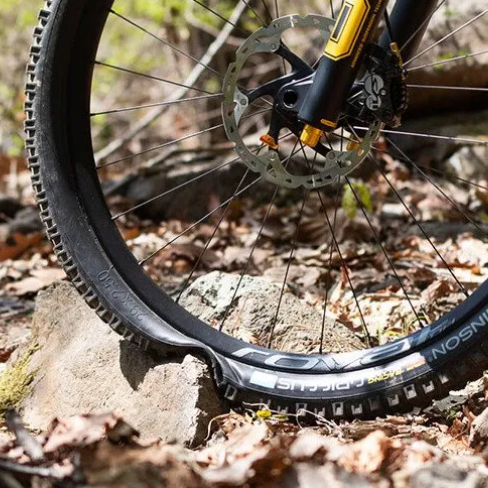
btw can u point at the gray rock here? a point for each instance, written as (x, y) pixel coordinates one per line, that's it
(83, 366)
(252, 314)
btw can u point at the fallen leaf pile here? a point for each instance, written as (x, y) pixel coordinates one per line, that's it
(255, 449)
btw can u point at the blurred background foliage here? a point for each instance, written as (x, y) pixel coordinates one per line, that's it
(17, 22)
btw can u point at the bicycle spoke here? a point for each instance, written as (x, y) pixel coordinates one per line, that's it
(344, 265)
(448, 61)
(419, 225)
(277, 8)
(292, 251)
(166, 43)
(329, 267)
(255, 244)
(210, 239)
(151, 77)
(458, 178)
(177, 49)
(161, 146)
(207, 244)
(158, 104)
(288, 266)
(434, 170)
(448, 36)
(453, 204)
(213, 12)
(332, 13)
(174, 141)
(268, 12)
(263, 23)
(460, 88)
(191, 80)
(430, 136)
(177, 187)
(328, 141)
(422, 25)
(346, 271)
(383, 249)
(198, 222)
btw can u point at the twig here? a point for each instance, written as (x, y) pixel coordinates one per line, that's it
(13, 467)
(191, 80)
(22, 436)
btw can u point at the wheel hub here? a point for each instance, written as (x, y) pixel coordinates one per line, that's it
(287, 93)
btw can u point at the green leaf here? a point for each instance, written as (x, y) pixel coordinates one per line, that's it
(350, 199)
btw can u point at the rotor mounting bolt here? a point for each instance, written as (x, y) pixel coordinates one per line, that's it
(311, 135)
(269, 141)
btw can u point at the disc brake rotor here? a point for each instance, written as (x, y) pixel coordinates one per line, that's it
(236, 105)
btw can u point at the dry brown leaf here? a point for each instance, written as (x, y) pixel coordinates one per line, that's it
(18, 243)
(188, 253)
(134, 466)
(84, 430)
(368, 455)
(244, 440)
(308, 445)
(39, 279)
(411, 457)
(439, 289)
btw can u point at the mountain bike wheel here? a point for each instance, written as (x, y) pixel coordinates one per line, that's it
(82, 169)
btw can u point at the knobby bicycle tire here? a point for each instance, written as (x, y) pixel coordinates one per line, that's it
(399, 376)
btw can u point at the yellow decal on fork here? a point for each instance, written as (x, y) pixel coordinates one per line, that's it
(347, 29)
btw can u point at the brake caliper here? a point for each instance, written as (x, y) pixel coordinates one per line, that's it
(384, 95)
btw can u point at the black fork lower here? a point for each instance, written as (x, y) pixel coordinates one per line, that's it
(339, 66)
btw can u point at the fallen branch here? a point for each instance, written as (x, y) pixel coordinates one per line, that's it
(191, 80)
(12, 467)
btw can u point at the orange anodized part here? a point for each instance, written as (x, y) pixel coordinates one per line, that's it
(269, 141)
(311, 135)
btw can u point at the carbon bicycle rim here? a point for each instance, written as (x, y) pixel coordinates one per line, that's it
(230, 240)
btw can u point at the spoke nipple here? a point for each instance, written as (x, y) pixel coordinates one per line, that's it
(311, 135)
(269, 141)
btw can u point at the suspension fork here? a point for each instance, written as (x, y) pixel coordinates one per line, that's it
(340, 63)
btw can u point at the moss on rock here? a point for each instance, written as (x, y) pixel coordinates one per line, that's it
(16, 381)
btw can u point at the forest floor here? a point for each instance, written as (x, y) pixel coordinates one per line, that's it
(258, 448)
(255, 447)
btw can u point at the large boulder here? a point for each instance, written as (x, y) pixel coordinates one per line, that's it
(80, 365)
(250, 313)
